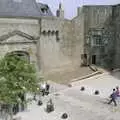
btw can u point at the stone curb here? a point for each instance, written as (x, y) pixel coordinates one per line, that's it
(87, 76)
(116, 70)
(93, 75)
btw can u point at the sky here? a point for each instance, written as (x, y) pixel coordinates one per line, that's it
(70, 6)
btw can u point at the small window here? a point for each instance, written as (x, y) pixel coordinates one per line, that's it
(57, 36)
(53, 32)
(49, 32)
(44, 33)
(44, 10)
(97, 40)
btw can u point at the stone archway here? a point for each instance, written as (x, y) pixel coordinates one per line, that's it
(23, 54)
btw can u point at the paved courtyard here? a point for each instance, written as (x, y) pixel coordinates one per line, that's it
(77, 104)
(68, 73)
(104, 83)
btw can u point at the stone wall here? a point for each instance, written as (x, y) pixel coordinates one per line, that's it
(52, 56)
(98, 18)
(18, 42)
(116, 13)
(79, 10)
(79, 35)
(58, 44)
(28, 26)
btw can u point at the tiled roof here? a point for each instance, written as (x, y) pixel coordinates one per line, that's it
(23, 8)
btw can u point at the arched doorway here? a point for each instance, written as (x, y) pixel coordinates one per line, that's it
(22, 54)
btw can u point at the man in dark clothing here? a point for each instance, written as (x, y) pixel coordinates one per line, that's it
(15, 108)
(113, 97)
(22, 97)
(47, 88)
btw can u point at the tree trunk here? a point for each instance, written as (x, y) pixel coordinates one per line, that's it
(11, 112)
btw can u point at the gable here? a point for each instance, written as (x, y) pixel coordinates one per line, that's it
(17, 37)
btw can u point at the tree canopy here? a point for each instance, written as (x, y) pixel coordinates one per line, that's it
(17, 75)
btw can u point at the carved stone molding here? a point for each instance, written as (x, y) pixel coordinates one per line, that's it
(19, 33)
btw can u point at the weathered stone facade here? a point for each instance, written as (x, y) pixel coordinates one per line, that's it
(92, 37)
(100, 27)
(19, 35)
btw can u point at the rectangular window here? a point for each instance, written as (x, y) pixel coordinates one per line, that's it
(97, 40)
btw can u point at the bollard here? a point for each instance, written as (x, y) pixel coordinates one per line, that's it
(96, 92)
(64, 116)
(82, 88)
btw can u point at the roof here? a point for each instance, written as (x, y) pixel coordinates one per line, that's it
(23, 8)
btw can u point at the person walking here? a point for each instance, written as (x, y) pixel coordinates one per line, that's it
(113, 97)
(43, 88)
(47, 88)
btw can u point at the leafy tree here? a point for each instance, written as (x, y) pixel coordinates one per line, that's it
(17, 76)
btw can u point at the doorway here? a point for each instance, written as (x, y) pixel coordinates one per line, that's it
(93, 59)
(23, 54)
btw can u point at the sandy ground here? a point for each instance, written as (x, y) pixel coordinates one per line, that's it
(77, 104)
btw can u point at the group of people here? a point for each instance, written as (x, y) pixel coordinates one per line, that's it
(45, 88)
(115, 94)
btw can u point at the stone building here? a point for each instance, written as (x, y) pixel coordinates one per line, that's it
(29, 29)
(100, 25)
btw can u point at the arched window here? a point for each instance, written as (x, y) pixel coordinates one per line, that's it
(49, 32)
(25, 55)
(57, 32)
(57, 36)
(53, 32)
